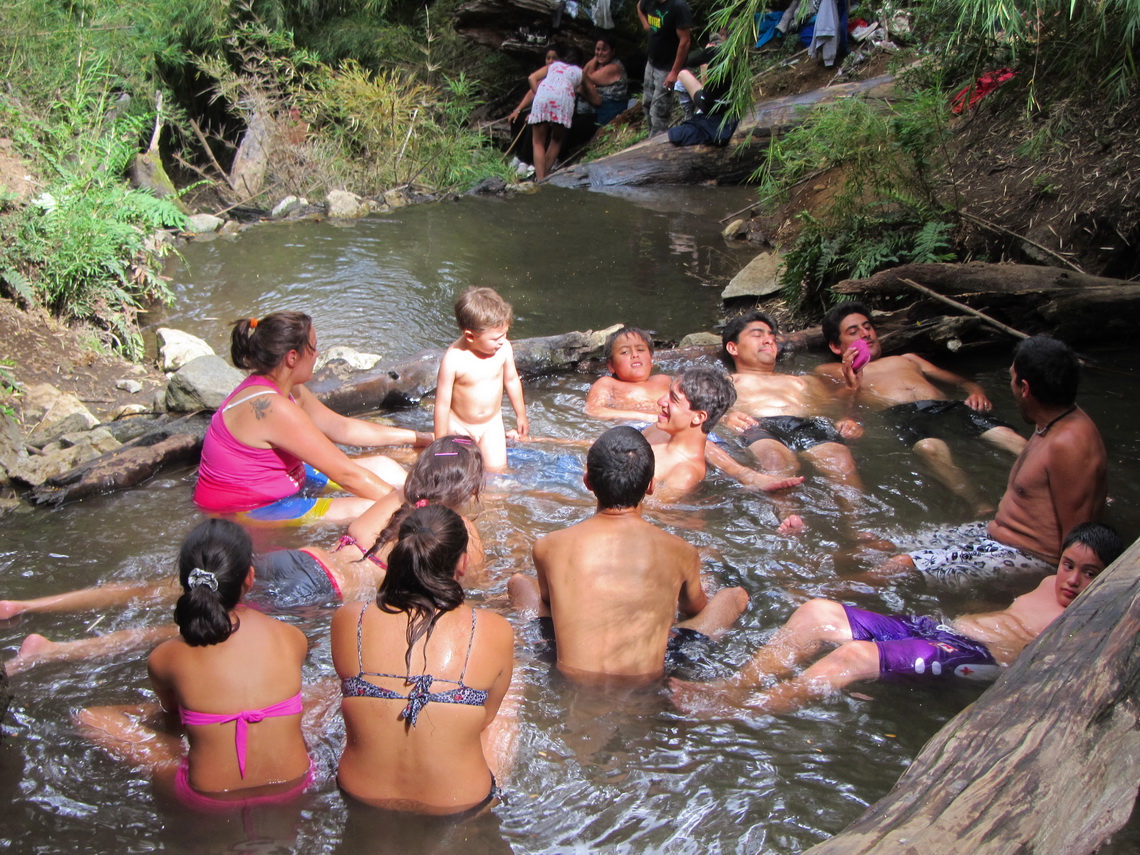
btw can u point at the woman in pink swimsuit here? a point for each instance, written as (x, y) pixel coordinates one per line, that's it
(270, 450)
(232, 680)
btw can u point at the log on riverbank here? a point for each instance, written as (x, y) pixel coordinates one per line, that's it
(344, 390)
(657, 161)
(1047, 760)
(1076, 307)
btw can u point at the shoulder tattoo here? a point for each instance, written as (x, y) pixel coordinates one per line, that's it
(261, 407)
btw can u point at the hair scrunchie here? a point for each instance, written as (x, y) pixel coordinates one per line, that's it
(422, 503)
(252, 324)
(200, 577)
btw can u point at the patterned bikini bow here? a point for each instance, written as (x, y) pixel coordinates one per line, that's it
(418, 697)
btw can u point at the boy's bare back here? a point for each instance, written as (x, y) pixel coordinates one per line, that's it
(613, 584)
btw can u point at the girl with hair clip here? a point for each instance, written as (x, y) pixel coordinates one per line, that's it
(271, 448)
(422, 678)
(232, 680)
(448, 472)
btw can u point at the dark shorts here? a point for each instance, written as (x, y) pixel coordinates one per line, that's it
(918, 646)
(794, 432)
(703, 130)
(941, 419)
(686, 647)
(289, 578)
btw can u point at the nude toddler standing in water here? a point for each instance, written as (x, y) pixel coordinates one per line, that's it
(474, 371)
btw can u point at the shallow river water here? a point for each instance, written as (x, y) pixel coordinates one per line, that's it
(595, 771)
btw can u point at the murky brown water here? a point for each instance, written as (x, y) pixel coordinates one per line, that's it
(594, 772)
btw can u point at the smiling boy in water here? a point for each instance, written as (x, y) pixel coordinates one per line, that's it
(634, 390)
(473, 374)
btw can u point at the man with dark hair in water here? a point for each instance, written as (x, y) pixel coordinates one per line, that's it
(610, 587)
(907, 389)
(1057, 482)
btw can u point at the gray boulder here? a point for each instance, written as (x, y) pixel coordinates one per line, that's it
(356, 359)
(176, 348)
(54, 413)
(203, 224)
(201, 384)
(12, 449)
(700, 339)
(759, 278)
(285, 207)
(343, 205)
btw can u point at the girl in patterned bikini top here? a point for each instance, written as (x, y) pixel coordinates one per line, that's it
(423, 676)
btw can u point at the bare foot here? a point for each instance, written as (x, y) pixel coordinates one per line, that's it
(766, 483)
(10, 609)
(35, 645)
(792, 524)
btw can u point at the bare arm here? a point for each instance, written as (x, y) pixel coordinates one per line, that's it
(502, 638)
(366, 528)
(684, 40)
(749, 477)
(444, 385)
(359, 432)
(513, 385)
(976, 398)
(598, 401)
(692, 598)
(160, 681)
(1074, 493)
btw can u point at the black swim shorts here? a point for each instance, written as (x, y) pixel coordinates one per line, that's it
(703, 130)
(289, 578)
(794, 432)
(941, 419)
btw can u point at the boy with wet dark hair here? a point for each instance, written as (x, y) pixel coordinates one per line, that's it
(872, 646)
(909, 391)
(633, 391)
(611, 586)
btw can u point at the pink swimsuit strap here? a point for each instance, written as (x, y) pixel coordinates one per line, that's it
(290, 706)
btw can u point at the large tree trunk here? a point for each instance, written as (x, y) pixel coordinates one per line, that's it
(658, 161)
(1046, 761)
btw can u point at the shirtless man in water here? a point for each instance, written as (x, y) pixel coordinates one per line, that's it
(612, 585)
(873, 646)
(1057, 482)
(777, 415)
(907, 388)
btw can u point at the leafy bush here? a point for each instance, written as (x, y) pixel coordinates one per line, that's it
(84, 245)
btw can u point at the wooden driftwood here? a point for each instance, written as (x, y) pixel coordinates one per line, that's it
(657, 161)
(1046, 761)
(346, 391)
(178, 441)
(1076, 307)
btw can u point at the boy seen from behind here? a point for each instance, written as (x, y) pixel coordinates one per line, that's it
(473, 374)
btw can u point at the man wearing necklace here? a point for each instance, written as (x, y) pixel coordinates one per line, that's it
(612, 585)
(908, 390)
(1057, 482)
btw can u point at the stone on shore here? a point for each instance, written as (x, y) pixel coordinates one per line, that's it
(759, 278)
(700, 339)
(343, 205)
(357, 360)
(203, 224)
(62, 456)
(285, 207)
(176, 348)
(201, 384)
(54, 413)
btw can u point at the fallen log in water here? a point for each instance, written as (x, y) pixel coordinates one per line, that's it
(344, 390)
(1047, 760)
(658, 161)
(1076, 307)
(177, 441)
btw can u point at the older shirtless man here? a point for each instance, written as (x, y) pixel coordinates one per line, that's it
(1057, 482)
(613, 584)
(778, 414)
(874, 646)
(907, 387)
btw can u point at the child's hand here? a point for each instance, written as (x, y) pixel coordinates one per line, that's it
(522, 427)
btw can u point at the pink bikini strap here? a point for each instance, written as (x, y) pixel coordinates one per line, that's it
(290, 706)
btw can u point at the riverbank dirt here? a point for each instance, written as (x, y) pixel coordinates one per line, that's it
(36, 348)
